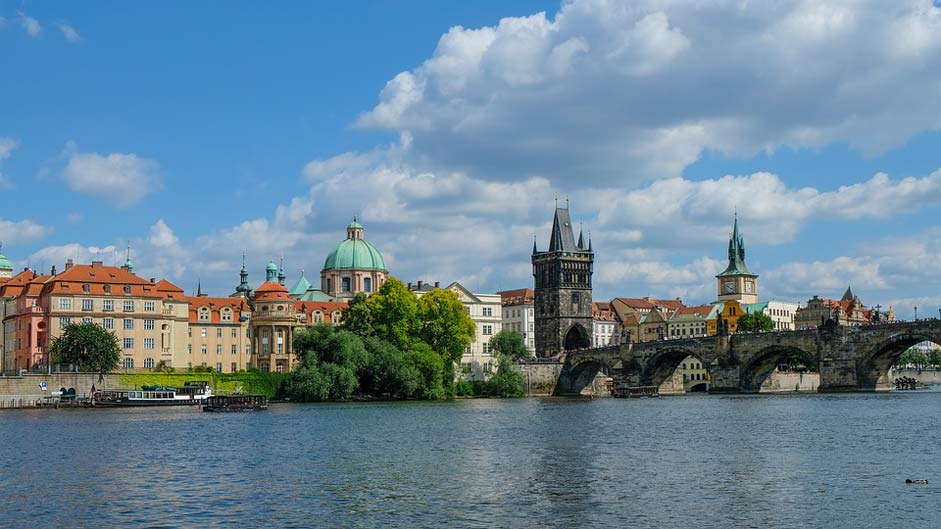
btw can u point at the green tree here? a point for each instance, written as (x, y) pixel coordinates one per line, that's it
(357, 316)
(394, 313)
(507, 382)
(934, 358)
(87, 346)
(431, 370)
(755, 322)
(913, 357)
(445, 324)
(510, 344)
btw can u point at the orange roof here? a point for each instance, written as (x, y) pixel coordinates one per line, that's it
(169, 290)
(702, 310)
(215, 305)
(271, 291)
(326, 309)
(14, 286)
(601, 310)
(100, 280)
(649, 303)
(518, 296)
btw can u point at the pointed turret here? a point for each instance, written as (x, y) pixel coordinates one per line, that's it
(128, 265)
(281, 275)
(848, 295)
(199, 288)
(581, 238)
(244, 287)
(736, 253)
(562, 238)
(535, 251)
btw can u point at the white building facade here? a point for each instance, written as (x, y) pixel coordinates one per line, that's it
(518, 310)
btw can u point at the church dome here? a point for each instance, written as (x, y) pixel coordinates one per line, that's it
(354, 253)
(270, 291)
(5, 263)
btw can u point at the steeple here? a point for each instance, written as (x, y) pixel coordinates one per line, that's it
(848, 295)
(199, 288)
(243, 287)
(581, 237)
(535, 251)
(562, 238)
(128, 265)
(736, 252)
(281, 276)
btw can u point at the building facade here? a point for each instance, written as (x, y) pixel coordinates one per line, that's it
(218, 334)
(688, 322)
(848, 310)
(518, 315)
(603, 325)
(562, 275)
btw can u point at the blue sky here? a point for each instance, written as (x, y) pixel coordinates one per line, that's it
(199, 131)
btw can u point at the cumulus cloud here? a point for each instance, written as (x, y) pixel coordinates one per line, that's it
(611, 91)
(22, 231)
(29, 24)
(122, 179)
(7, 146)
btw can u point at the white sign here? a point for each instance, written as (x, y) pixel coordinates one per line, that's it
(42, 386)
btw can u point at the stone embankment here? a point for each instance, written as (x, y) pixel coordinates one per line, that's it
(26, 390)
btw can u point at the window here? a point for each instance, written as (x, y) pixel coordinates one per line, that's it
(129, 343)
(88, 304)
(189, 348)
(189, 332)
(219, 366)
(149, 325)
(107, 305)
(488, 311)
(107, 323)
(234, 349)
(65, 303)
(149, 306)
(204, 314)
(487, 330)
(235, 332)
(107, 289)
(203, 332)
(486, 349)
(219, 332)
(148, 344)
(128, 306)
(367, 284)
(86, 288)
(226, 315)
(346, 284)
(127, 290)
(149, 363)
(128, 323)
(235, 367)
(86, 321)
(219, 349)
(203, 349)
(63, 322)
(128, 363)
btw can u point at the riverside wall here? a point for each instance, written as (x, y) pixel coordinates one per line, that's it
(926, 376)
(25, 390)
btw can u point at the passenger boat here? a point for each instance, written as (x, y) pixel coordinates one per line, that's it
(633, 392)
(192, 393)
(219, 403)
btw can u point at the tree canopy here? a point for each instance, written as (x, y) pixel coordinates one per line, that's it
(510, 344)
(87, 346)
(755, 322)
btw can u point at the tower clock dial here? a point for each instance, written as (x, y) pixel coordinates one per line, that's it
(729, 287)
(748, 287)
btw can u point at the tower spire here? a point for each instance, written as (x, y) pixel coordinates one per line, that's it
(243, 287)
(281, 275)
(128, 265)
(535, 251)
(581, 236)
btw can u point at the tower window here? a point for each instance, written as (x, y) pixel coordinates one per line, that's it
(367, 284)
(345, 282)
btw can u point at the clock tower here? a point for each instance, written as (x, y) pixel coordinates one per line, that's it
(737, 283)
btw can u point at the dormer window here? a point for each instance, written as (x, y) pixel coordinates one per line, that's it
(127, 290)
(86, 288)
(107, 289)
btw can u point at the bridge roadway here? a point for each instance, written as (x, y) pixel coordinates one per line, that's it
(847, 358)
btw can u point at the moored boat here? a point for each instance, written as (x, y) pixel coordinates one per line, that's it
(192, 393)
(223, 403)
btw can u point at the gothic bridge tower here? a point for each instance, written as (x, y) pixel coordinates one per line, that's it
(562, 277)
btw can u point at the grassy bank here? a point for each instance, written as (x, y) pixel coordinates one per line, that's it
(249, 382)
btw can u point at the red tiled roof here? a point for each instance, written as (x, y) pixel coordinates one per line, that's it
(649, 303)
(215, 306)
(702, 310)
(98, 277)
(517, 296)
(271, 291)
(326, 308)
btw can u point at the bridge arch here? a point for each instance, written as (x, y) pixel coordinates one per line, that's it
(872, 370)
(664, 362)
(581, 368)
(757, 369)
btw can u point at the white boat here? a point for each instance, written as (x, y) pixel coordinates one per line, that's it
(192, 393)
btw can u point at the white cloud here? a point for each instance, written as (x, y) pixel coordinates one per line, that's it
(7, 146)
(22, 231)
(123, 179)
(29, 24)
(69, 32)
(611, 91)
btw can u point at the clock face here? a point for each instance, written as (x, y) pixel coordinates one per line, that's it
(729, 287)
(748, 287)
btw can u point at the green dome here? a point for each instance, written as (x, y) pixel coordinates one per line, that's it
(354, 224)
(271, 266)
(5, 263)
(354, 254)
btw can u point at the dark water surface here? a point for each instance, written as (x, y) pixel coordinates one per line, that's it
(710, 461)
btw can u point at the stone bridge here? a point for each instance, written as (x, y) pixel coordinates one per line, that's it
(847, 358)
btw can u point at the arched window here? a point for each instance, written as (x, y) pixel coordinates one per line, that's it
(107, 289)
(127, 290)
(128, 363)
(86, 287)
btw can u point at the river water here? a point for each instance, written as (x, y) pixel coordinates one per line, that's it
(685, 462)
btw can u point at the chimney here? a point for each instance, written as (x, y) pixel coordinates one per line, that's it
(153, 280)
(68, 264)
(53, 269)
(420, 283)
(96, 264)
(437, 284)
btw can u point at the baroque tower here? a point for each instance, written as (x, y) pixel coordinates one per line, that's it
(737, 283)
(562, 277)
